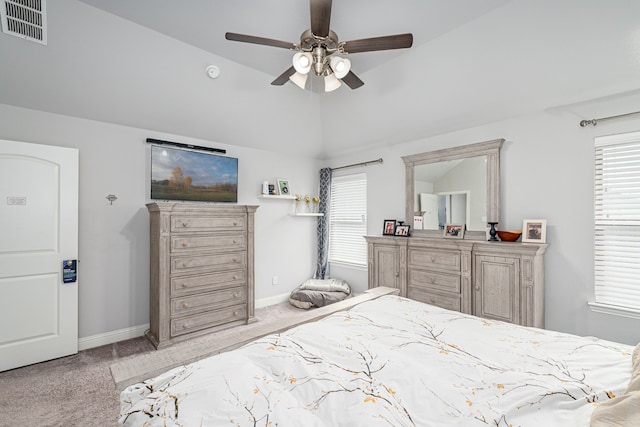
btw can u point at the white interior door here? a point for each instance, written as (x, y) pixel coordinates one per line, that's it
(38, 231)
(429, 207)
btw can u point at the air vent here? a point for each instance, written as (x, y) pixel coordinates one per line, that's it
(26, 19)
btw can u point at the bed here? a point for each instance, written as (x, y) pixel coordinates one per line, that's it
(393, 362)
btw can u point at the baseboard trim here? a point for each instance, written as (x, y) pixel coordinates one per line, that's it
(276, 299)
(111, 337)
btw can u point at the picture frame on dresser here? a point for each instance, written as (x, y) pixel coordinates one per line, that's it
(283, 187)
(454, 231)
(389, 227)
(402, 230)
(534, 231)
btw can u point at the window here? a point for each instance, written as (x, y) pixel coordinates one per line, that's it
(617, 221)
(348, 220)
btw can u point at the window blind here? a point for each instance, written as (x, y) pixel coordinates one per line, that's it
(348, 220)
(617, 220)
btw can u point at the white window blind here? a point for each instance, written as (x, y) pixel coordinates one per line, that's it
(348, 220)
(617, 220)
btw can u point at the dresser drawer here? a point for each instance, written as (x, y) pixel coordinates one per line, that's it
(183, 306)
(184, 223)
(228, 242)
(209, 319)
(429, 280)
(441, 260)
(444, 301)
(207, 282)
(209, 262)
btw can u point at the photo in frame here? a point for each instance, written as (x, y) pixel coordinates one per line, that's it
(534, 231)
(389, 227)
(454, 231)
(402, 230)
(283, 187)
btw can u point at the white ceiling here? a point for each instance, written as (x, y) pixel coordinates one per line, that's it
(141, 63)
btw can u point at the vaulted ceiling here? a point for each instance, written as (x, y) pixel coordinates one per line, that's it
(142, 63)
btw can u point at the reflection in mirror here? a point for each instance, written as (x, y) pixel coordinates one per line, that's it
(452, 192)
(459, 185)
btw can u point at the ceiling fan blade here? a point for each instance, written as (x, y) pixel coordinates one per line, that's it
(352, 80)
(398, 41)
(320, 17)
(260, 40)
(284, 77)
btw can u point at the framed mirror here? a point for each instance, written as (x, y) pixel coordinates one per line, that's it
(459, 185)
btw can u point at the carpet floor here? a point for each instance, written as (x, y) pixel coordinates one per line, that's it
(79, 390)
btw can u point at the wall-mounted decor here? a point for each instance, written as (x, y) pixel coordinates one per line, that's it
(283, 187)
(534, 231)
(190, 175)
(402, 230)
(389, 227)
(454, 231)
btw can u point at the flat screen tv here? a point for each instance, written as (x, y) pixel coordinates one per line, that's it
(193, 176)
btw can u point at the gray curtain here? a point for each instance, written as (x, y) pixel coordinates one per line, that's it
(322, 265)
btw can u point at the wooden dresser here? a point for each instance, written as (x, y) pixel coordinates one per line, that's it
(494, 280)
(202, 269)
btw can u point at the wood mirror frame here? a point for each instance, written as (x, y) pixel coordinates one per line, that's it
(490, 149)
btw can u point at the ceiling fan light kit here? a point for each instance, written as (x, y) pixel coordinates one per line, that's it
(318, 43)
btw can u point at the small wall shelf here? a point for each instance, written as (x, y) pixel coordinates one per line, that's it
(307, 214)
(276, 196)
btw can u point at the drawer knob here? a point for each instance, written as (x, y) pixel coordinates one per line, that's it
(184, 224)
(234, 241)
(184, 285)
(235, 295)
(185, 326)
(185, 244)
(432, 300)
(185, 305)
(235, 260)
(235, 313)
(433, 259)
(235, 277)
(477, 288)
(235, 222)
(432, 280)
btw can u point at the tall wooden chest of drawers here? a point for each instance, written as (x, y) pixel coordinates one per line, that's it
(202, 269)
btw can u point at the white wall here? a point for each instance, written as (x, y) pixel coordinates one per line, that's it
(114, 239)
(546, 172)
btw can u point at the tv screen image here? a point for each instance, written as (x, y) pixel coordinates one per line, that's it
(194, 176)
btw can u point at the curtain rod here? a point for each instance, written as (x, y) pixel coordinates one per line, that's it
(359, 164)
(594, 122)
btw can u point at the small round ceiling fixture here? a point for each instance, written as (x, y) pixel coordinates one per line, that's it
(213, 71)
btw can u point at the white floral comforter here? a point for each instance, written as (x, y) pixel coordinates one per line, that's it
(390, 362)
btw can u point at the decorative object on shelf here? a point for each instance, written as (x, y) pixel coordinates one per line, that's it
(454, 231)
(307, 201)
(272, 189)
(403, 230)
(283, 187)
(316, 203)
(265, 187)
(509, 236)
(389, 227)
(534, 231)
(418, 221)
(492, 232)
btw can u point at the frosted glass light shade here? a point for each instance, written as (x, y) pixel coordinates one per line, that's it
(302, 62)
(299, 79)
(340, 66)
(331, 83)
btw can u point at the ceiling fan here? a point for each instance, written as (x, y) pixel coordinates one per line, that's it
(317, 47)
